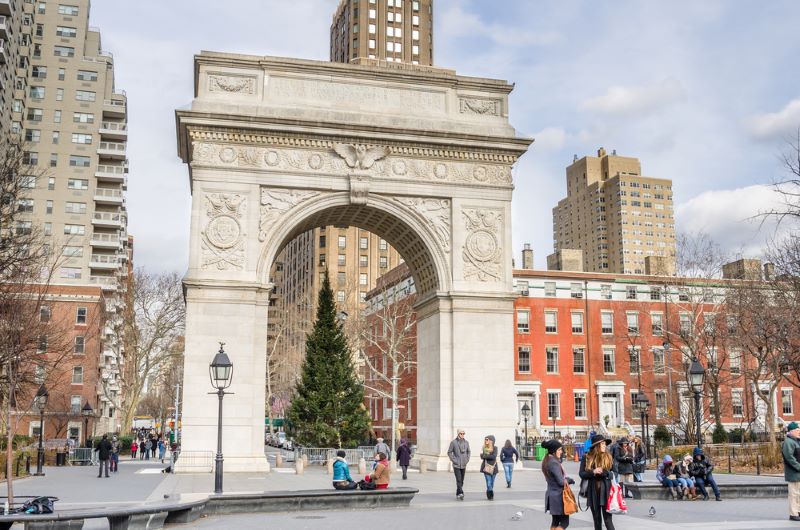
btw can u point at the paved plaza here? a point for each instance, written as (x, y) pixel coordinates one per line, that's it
(138, 482)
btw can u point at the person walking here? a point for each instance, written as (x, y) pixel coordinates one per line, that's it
(341, 473)
(791, 468)
(556, 482)
(153, 446)
(595, 467)
(508, 455)
(134, 448)
(115, 448)
(162, 449)
(702, 471)
(489, 464)
(148, 446)
(459, 454)
(103, 454)
(404, 457)
(381, 447)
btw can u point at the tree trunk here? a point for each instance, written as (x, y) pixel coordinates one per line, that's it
(10, 451)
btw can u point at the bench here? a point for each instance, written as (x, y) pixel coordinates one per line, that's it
(154, 516)
(763, 490)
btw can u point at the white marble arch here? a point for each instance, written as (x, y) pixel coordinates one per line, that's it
(421, 157)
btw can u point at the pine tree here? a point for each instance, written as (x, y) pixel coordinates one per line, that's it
(328, 407)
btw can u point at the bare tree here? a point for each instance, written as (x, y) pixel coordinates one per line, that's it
(152, 325)
(787, 187)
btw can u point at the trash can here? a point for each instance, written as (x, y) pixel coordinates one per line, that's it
(61, 459)
(541, 452)
(580, 450)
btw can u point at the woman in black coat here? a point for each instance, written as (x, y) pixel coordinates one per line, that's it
(489, 457)
(404, 457)
(556, 481)
(596, 469)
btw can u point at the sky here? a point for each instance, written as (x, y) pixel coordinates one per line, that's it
(703, 93)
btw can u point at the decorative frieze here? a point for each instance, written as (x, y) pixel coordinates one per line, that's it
(482, 252)
(223, 239)
(232, 84)
(483, 107)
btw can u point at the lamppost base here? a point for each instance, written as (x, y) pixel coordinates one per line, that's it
(38, 474)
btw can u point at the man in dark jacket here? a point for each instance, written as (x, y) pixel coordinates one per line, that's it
(791, 468)
(404, 457)
(459, 456)
(701, 469)
(103, 454)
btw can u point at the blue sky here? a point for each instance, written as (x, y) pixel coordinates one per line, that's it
(702, 92)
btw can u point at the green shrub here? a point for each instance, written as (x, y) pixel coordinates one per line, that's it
(662, 436)
(20, 440)
(736, 435)
(720, 435)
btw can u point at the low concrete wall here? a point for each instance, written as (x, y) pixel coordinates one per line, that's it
(774, 490)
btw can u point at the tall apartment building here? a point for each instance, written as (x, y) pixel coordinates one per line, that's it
(16, 22)
(615, 216)
(388, 30)
(75, 128)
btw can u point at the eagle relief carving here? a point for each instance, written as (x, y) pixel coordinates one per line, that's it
(359, 156)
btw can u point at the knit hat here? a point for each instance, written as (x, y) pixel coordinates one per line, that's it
(667, 459)
(552, 446)
(491, 437)
(792, 426)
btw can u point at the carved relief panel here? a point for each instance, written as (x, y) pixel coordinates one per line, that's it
(483, 246)
(275, 203)
(224, 239)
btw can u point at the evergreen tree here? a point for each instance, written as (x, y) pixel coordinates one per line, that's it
(328, 407)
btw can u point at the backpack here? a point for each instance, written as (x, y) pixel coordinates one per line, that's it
(367, 485)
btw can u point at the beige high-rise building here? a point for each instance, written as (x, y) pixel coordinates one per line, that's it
(389, 30)
(16, 26)
(75, 128)
(614, 215)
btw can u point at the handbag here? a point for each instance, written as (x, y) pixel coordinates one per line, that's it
(567, 497)
(616, 502)
(638, 467)
(584, 487)
(489, 468)
(672, 477)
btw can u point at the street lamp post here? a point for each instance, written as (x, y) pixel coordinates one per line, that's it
(41, 402)
(221, 372)
(526, 412)
(87, 413)
(642, 403)
(697, 376)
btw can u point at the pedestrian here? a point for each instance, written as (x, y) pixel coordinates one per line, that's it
(624, 460)
(702, 471)
(459, 454)
(148, 446)
(115, 447)
(162, 449)
(103, 454)
(666, 475)
(404, 457)
(556, 482)
(381, 447)
(791, 468)
(489, 464)
(612, 450)
(380, 476)
(508, 455)
(134, 448)
(341, 473)
(595, 468)
(639, 460)
(153, 445)
(686, 483)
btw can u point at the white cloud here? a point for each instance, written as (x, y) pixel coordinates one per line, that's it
(776, 124)
(731, 218)
(456, 22)
(636, 99)
(549, 139)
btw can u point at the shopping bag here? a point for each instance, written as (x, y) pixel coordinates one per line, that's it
(570, 505)
(616, 502)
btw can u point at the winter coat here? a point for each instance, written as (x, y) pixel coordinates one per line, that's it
(381, 473)
(597, 490)
(612, 450)
(459, 453)
(404, 455)
(103, 449)
(665, 468)
(702, 467)
(115, 447)
(638, 453)
(383, 448)
(340, 470)
(553, 497)
(508, 455)
(624, 460)
(791, 466)
(682, 470)
(490, 459)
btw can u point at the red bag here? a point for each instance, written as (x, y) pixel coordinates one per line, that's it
(616, 502)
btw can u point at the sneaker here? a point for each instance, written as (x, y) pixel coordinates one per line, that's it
(794, 518)
(460, 496)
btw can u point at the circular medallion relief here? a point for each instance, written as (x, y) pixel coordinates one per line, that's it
(480, 174)
(440, 171)
(227, 154)
(399, 167)
(314, 161)
(271, 158)
(223, 231)
(482, 245)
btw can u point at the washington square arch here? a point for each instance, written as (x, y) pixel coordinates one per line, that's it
(420, 156)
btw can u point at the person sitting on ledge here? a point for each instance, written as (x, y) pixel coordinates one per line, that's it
(381, 474)
(341, 473)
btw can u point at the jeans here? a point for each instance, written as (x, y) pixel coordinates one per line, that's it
(667, 483)
(709, 479)
(459, 480)
(638, 477)
(489, 481)
(686, 482)
(103, 466)
(508, 467)
(405, 472)
(114, 462)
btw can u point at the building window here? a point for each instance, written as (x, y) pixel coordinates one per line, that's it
(655, 293)
(524, 359)
(363, 261)
(659, 360)
(30, 158)
(630, 292)
(786, 401)
(551, 353)
(576, 290)
(634, 357)
(62, 74)
(340, 296)
(382, 245)
(362, 279)
(523, 321)
(605, 292)
(550, 289)
(87, 75)
(79, 138)
(38, 374)
(74, 230)
(661, 404)
(63, 51)
(79, 161)
(72, 251)
(735, 361)
(608, 361)
(607, 323)
(363, 243)
(340, 260)
(79, 344)
(25, 205)
(341, 278)
(72, 273)
(70, 11)
(656, 324)
(88, 117)
(78, 184)
(66, 31)
(37, 92)
(578, 360)
(322, 241)
(633, 323)
(737, 408)
(580, 405)
(683, 295)
(24, 228)
(322, 260)
(550, 322)
(85, 95)
(577, 322)
(384, 262)
(553, 405)
(44, 313)
(77, 375)
(80, 315)
(342, 241)
(75, 405)
(685, 323)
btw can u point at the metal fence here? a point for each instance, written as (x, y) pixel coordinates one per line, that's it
(82, 456)
(321, 455)
(193, 461)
